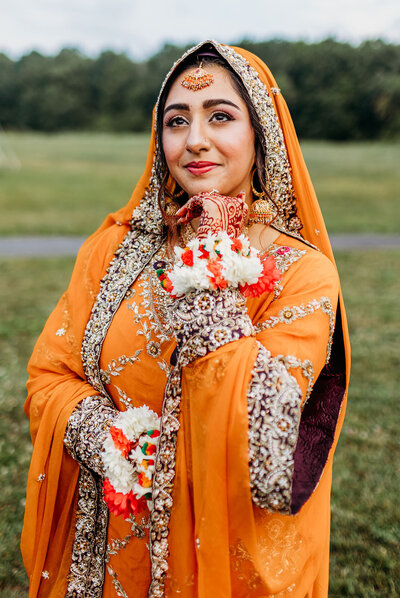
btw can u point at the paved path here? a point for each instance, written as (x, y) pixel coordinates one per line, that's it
(68, 246)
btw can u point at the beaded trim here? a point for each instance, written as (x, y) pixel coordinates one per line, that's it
(279, 180)
(274, 399)
(86, 573)
(87, 429)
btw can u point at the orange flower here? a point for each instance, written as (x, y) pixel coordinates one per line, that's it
(144, 480)
(217, 280)
(120, 441)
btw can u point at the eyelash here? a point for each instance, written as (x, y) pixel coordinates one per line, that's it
(172, 122)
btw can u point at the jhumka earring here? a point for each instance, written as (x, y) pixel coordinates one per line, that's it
(197, 79)
(261, 210)
(172, 206)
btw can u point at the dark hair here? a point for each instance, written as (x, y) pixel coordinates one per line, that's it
(207, 56)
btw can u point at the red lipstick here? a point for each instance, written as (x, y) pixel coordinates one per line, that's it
(200, 167)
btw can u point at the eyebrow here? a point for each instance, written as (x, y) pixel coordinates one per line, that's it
(206, 104)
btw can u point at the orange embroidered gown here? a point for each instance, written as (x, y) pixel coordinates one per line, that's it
(243, 486)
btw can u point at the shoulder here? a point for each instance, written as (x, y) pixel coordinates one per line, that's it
(95, 255)
(303, 266)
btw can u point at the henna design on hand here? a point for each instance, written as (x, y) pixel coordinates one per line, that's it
(217, 212)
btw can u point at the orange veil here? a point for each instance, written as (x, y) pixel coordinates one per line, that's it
(59, 381)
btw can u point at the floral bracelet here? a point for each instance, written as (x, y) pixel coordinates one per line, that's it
(128, 460)
(217, 262)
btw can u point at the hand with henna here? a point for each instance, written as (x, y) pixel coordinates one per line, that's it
(217, 212)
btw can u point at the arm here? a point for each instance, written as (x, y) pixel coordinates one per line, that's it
(277, 385)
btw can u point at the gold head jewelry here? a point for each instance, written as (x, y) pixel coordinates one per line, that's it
(197, 79)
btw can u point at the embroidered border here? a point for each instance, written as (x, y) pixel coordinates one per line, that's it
(86, 572)
(287, 315)
(134, 253)
(274, 400)
(88, 553)
(163, 483)
(87, 429)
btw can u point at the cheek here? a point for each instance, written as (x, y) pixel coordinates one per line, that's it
(172, 147)
(238, 146)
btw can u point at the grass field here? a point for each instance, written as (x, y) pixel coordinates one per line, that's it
(68, 183)
(357, 185)
(365, 532)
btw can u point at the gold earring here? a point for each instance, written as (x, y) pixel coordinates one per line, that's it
(261, 210)
(179, 194)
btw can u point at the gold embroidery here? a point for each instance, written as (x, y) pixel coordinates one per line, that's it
(118, 365)
(287, 315)
(284, 258)
(306, 367)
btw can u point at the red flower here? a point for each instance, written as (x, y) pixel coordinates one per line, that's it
(187, 257)
(217, 280)
(237, 245)
(265, 284)
(120, 441)
(204, 254)
(120, 503)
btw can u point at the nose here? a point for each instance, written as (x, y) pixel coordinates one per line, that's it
(197, 139)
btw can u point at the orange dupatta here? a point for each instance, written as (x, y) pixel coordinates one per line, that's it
(58, 382)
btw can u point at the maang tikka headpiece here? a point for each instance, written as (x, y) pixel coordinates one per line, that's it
(197, 79)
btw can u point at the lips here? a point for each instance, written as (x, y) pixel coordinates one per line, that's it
(201, 167)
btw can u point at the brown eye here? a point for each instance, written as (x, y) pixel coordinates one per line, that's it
(221, 117)
(176, 121)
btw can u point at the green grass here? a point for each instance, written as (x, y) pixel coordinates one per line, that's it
(365, 532)
(69, 182)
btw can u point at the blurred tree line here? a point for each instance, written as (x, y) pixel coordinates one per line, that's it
(334, 90)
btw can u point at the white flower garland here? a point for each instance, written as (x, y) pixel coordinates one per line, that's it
(216, 262)
(128, 458)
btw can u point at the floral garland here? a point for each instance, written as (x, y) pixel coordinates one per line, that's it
(128, 460)
(216, 262)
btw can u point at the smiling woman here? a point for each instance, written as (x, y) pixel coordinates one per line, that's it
(187, 393)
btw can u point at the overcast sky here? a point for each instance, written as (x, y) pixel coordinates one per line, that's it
(141, 27)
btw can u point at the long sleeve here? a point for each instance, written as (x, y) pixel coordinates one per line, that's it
(252, 451)
(56, 386)
(294, 330)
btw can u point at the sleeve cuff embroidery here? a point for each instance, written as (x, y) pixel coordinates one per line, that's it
(274, 400)
(206, 320)
(87, 429)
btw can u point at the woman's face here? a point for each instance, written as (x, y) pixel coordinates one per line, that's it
(207, 137)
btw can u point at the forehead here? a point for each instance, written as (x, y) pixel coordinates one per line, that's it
(222, 88)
